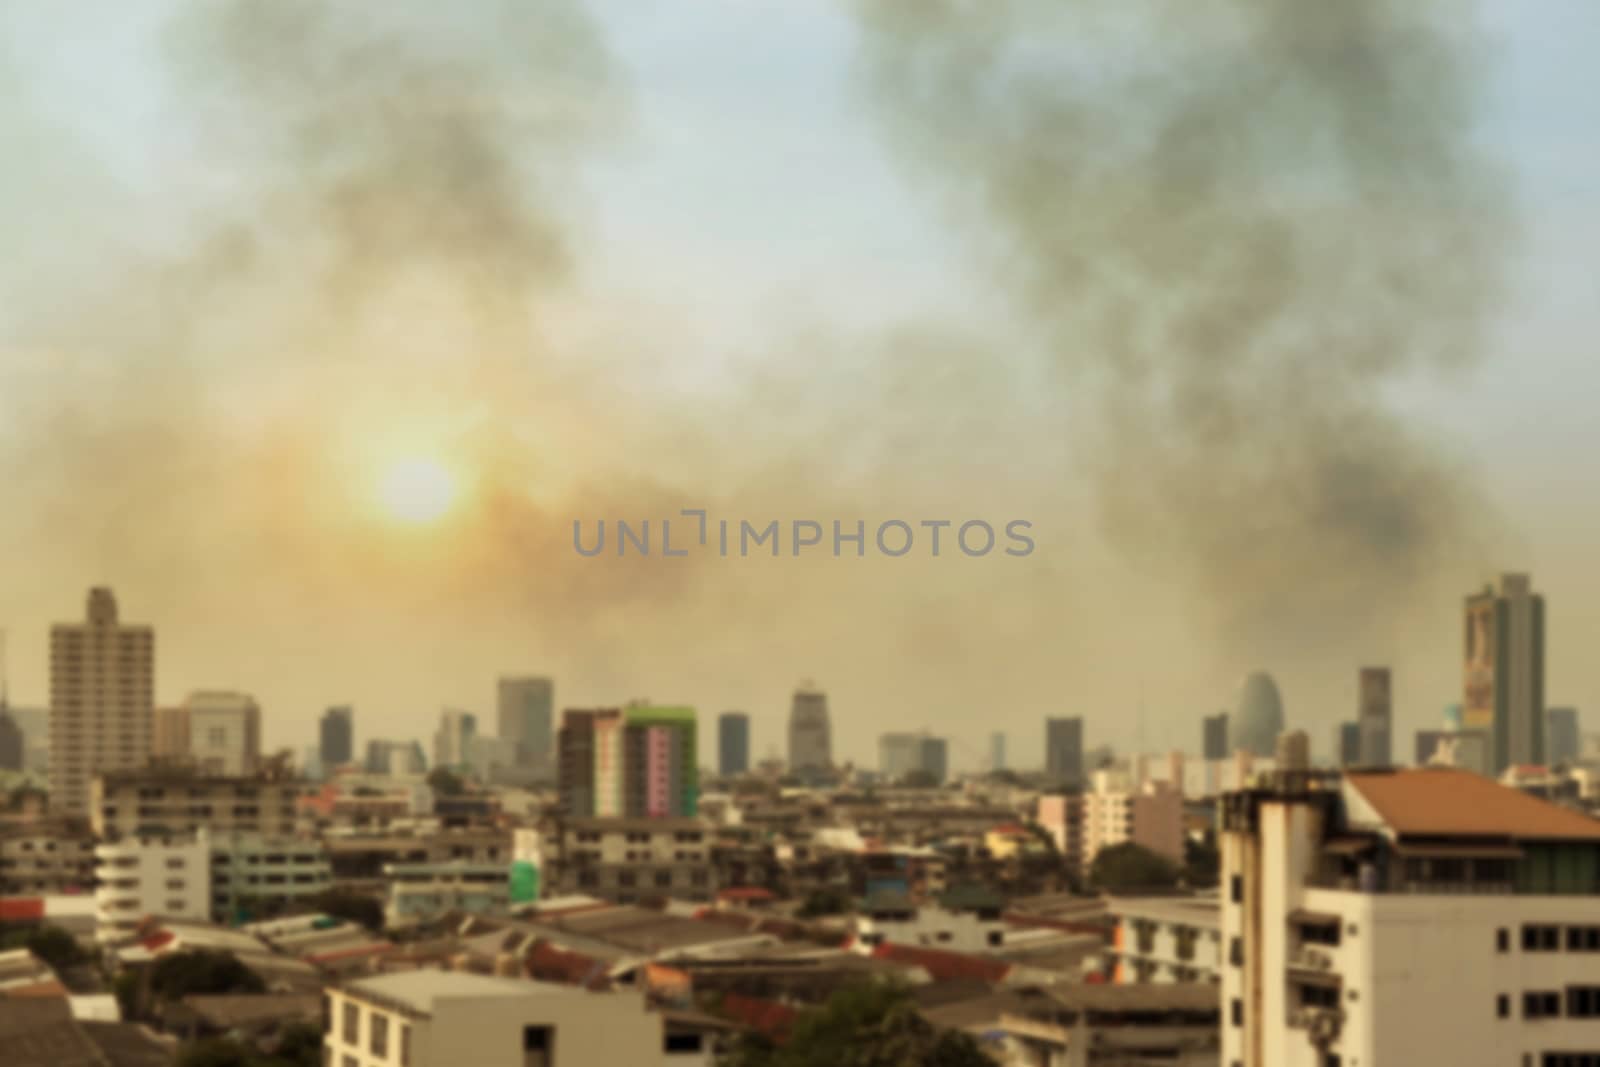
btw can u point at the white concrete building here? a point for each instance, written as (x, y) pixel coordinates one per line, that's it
(1424, 916)
(143, 876)
(1161, 940)
(436, 1018)
(1115, 812)
(224, 733)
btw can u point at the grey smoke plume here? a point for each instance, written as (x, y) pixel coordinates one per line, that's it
(1237, 227)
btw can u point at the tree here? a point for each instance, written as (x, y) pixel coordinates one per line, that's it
(445, 782)
(1128, 866)
(862, 1025)
(1202, 864)
(299, 1045)
(920, 779)
(821, 902)
(202, 971)
(51, 944)
(352, 907)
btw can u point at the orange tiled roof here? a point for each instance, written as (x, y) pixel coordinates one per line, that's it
(1449, 802)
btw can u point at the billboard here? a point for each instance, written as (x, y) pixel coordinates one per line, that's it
(1477, 710)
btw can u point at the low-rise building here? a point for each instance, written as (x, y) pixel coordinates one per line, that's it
(628, 860)
(176, 800)
(1158, 940)
(145, 876)
(45, 857)
(253, 875)
(432, 1018)
(422, 890)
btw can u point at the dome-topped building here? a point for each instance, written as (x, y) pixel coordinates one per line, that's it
(1259, 718)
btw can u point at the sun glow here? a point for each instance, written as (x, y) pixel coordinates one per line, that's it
(417, 489)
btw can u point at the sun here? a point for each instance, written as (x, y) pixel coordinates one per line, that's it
(417, 489)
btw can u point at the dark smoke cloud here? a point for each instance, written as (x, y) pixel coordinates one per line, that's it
(1238, 227)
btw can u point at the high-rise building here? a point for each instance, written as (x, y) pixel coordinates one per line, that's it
(1214, 736)
(733, 743)
(336, 738)
(397, 758)
(526, 716)
(1375, 717)
(224, 732)
(639, 762)
(1365, 921)
(452, 741)
(13, 746)
(1504, 670)
(899, 754)
(1561, 735)
(1258, 721)
(170, 735)
(1349, 744)
(1063, 752)
(102, 700)
(810, 733)
(1427, 746)
(934, 754)
(997, 751)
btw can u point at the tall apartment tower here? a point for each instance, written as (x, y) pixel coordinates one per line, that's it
(637, 762)
(810, 733)
(1375, 717)
(336, 737)
(997, 751)
(1063, 752)
(452, 741)
(1214, 736)
(733, 743)
(526, 717)
(102, 700)
(1504, 671)
(224, 733)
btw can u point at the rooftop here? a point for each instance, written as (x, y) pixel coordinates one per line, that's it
(1450, 802)
(421, 990)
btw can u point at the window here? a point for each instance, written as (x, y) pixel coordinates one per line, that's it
(378, 1031)
(1541, 1005)
(1236, 951)
(1541, 938)
(996, 938)
(1583, 1001)
(1570, 1059)
(175, 864)
(1236, 889)
(1583, 939)
(352, 1024)
(1316, 996)
(351, 1061)
(1502, 1006)
(674, 1043)
(538, 1046)
(1238, 1012)
(405, 1046)
(663, 879)
(627, 878)
(1502, 940)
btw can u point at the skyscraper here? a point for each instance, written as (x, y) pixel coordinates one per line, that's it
(733, 743)
(452, 741)
(224, 732)
(336, 737)
(639, 762)
(997, 751)
(1214, 736)
(527, 717)
(1375, 717)
(1258, 720)
(102, 697)
(1561, 736)
(1063, 752)
(934, 753)
(1349, 744)
(1504, 670)
(13, 747)
(899, 754)
(810, 733)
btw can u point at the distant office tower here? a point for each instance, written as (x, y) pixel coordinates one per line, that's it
(1258, 721)
(1349, 742)
(35, 726)
(1215, 736)
(13, 746)
(1293, 751)
(899, 754)
(336, 738)
(935, 758)
(997, 751)
(1427, 746)
(224, 733)
(102, 700)
(1504, 675)
(170, 735)
(452, 741)
(1561, 736)
(1375, 716)
(733, 743)
(810, 734)
(397, 758)
(1063, 752)
(493, 759)
(527, 718)
(639, 762)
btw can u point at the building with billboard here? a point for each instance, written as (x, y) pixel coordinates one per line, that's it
(1503, 671)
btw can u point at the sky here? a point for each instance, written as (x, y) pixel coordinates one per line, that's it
(698, 266)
